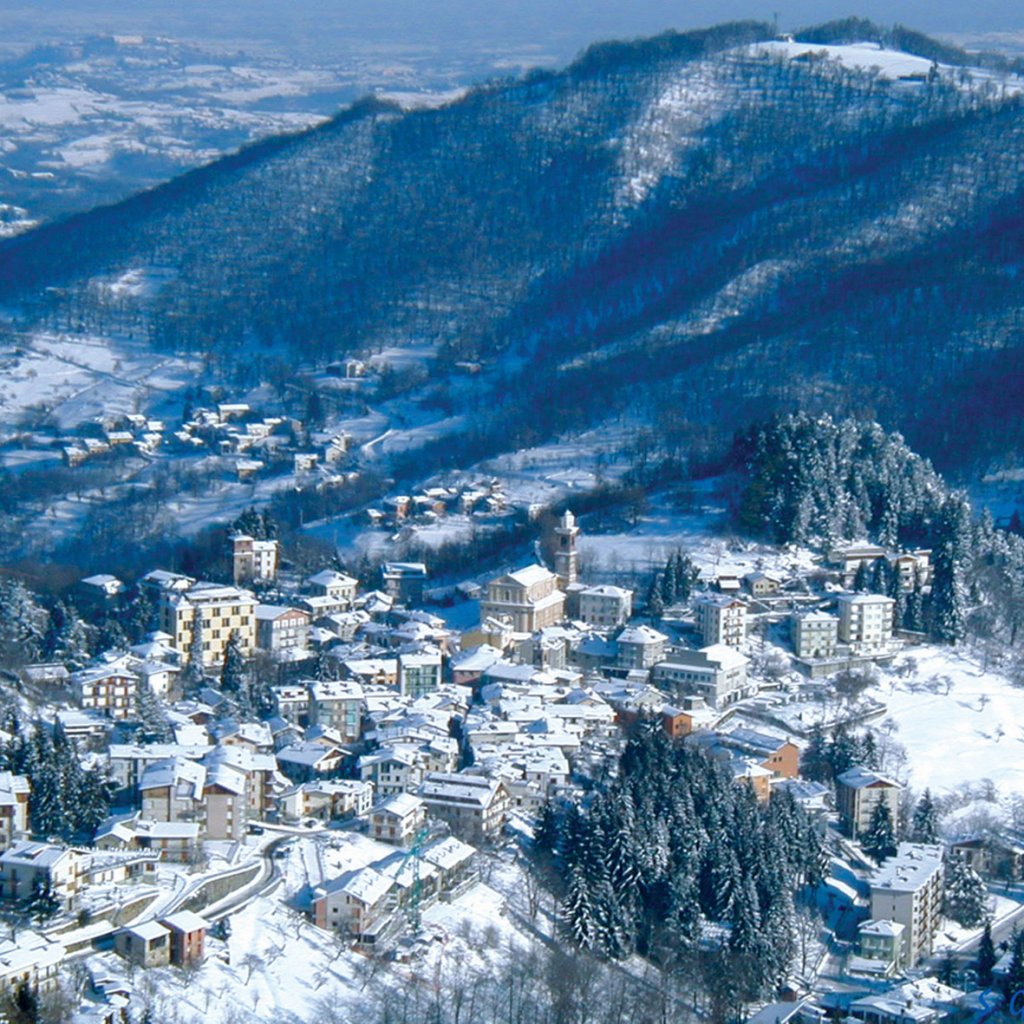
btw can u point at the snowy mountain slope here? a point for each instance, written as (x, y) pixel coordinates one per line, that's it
(660, 225)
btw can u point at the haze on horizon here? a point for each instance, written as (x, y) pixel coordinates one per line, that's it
(542, 31)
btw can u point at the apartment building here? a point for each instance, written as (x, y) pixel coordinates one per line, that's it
(858, 792)
(474, 807)
(218, 610)
(280, 628)
(721, 619)
(865, 620)
(907, 889)
(814, 634)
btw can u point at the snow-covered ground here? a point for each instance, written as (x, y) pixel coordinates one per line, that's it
(959, 722)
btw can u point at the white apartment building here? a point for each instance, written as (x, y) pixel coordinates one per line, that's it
(605, 606)
(814, 634)
(717, 673)
(865, 620)
(858, 792)
(721, 619)
(280, 628)
(253, 559)
(907, 889)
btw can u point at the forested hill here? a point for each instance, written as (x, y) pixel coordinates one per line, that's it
(703, 226)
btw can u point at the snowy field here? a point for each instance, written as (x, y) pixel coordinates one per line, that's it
(958, 722)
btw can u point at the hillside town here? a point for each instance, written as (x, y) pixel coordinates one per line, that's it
(263, 716)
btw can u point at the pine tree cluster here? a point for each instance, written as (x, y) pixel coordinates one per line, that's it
(825, 758)
(674, 583)
(674, 842)
(66, 799)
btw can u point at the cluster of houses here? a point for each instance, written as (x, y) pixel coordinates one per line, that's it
(481, 498)
(232, 430)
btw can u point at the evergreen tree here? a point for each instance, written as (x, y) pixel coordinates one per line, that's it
(949, 596)
(232, 675)
(913, 618)
(686, 576)
(986, 957)
(965, 898)
(869, 751)
(655, 602)
(815, 763)
(879, 841)
(42, 903)
(925, 825)
(862, 578)
(194, 675)
(669, 583)
(155, 726)
(546, 832)
(844, 751)
(880, 576)
(1013, 980)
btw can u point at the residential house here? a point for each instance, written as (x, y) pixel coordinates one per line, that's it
(108, 688)
(419, 672)
(881, 945)
(253, 559)
(308, 760)
(993, 855)
(14, 799)
(858, 791)
(338, 705)
(814, 634)
(780, 757)
(639, 647)
(761, 584)
(280, 628)
(717, 673)
(398, 819)
(359, 904)
(404, 581)
(605, 606)
(329, 800)
(187, 937)
(172, 790)
(865, 621)
(147, 944)
(336, 585)
(474, 807)
(28, 867)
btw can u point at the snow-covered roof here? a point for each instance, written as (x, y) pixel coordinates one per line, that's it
(530, 575)
(148, 931)
(186, 921)
(448, 853)
(642, 634)
(367, 885)
(913, 865)
(401, 804)
(860, 778)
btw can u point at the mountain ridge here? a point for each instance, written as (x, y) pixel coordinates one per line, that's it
(683, 211)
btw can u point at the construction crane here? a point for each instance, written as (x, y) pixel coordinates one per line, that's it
(412, 906)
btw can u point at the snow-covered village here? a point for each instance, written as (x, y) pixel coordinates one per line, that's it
(541, 543)
(766, 780)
